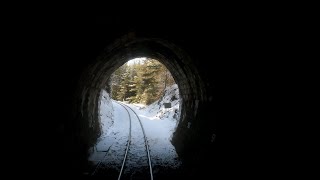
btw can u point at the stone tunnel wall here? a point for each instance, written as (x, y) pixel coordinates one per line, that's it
(62, 77)
(192, 131)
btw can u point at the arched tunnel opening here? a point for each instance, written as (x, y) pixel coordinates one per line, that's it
(53, 70)
(188, 79)
(148, 88)
(76, 57)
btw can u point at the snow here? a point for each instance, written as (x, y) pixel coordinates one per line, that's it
(136, 60)
(159, 124)
(106, 112)
(157, 110)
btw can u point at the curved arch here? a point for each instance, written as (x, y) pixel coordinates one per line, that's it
(178, 62)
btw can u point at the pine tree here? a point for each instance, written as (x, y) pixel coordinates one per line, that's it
(116, 80)
(142, 82)
(149, 81)
(137, 83)
(166, 79)
(132, 91)
(124, 87)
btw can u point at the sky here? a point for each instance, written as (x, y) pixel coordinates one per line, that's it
(159, 124)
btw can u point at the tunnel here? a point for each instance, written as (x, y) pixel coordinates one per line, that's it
(192, 89)
(77, 54)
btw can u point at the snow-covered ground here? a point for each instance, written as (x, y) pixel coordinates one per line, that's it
(159, 124)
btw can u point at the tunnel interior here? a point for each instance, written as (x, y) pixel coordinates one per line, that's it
(97, 75)
(73, 58)
(177, 61)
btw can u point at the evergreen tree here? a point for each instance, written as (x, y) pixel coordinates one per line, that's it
(132, 89)
(116, 79)
(149, 81)
(123, 92)
(142, 82)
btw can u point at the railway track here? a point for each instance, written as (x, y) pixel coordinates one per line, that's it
(128, 109)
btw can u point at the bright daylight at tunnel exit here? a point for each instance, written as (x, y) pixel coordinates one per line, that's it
(138, 114)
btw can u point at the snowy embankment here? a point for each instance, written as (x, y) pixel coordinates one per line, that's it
(157, 109)
(106, 113)
(159, 124)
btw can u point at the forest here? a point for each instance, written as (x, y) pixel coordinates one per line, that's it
(142, 81)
